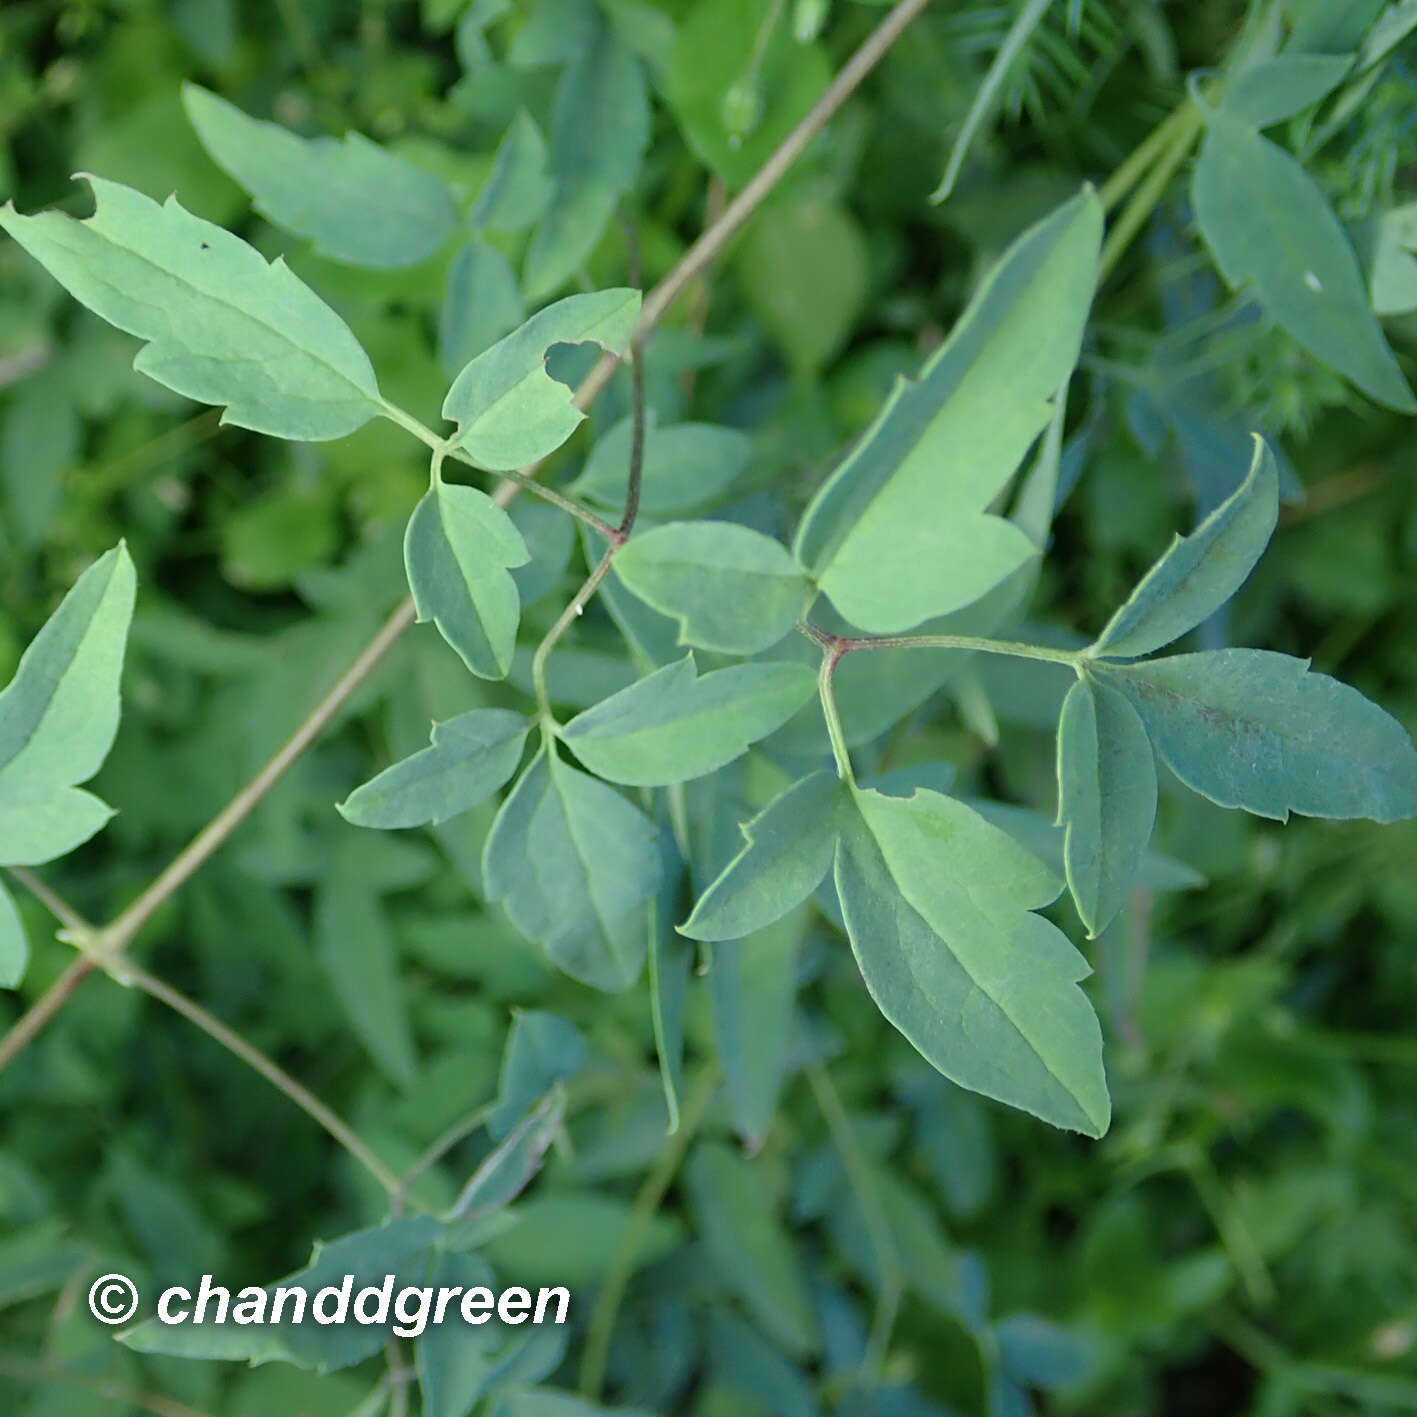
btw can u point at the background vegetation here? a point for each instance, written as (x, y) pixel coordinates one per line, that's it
(1244, 1240)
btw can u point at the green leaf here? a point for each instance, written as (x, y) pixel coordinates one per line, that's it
(599, 131)
(508, 1169)
(789, 848)
(753, 987)
(899, 533)
(550, 1402)
(749, 1248)
(1249, 728)
(1280, 87)
(1270, 229)
(542, 1050)
(36, 829)
(687, 466)
(471, 756)
(937, 905)
(520, 185)
(481, 303)
(731, 588)
(59, 714)
(1199, 572)
(222, 326)
(358, 951)
(509, 410)
(401, 1247)
(675, 725)
(805, 272)
(457, 550)
(576, 867)
(1106, 796)
(356, 202)
(14, 948)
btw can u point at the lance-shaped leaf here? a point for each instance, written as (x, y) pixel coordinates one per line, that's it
(508, 409)
(403, 1248)
(458, 551)
(1270, 228)
(674, 725)
(471, 756)
(1199, 572)
(576, 867)
(788, 851)
(938, 907)
(223, 326)
(504, 1174)
(356, 202)
(912, 495)
(1279, 88)
(1106, 796)
(730, 588)
(1249, 728)
(14, 947)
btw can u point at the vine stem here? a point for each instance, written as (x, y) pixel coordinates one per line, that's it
(563, 623)
(301, 1096)
(52, 901)
(647, 1202)
(440, 1148)
(873, 1214)
(830, 658)
(843, 645)
(31, 1023)
(1140, 159)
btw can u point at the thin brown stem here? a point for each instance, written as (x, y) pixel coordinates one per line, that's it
(30, 1023)
(206, 842)
(440, 1148)
(52, 901)
(567, 618)
(303, 1098)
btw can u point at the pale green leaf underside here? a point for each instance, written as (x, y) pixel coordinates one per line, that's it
(39, 829)
(788, 850)
(1270, 228)
(509, 410)
(470, 757)
(938, 908)
(1199, 572)
(1249, 728)
(576, 867)
(222, 325)
(59, 714)
(458, 550)
(356, 202)
(912, 495)
(14, 948)
(1107, 797)
(675, 725)
(730, 588)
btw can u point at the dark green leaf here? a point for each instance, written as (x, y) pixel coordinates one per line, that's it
(481, 303)
(542, 1050)
(520, 186)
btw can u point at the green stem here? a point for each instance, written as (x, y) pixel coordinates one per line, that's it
(1135, 165)
(842, 645)
(1189, 124)
(873, 1214)
(834, 729)
(568, 616)
(647, 1202)
(407, 421)
(440, 1148)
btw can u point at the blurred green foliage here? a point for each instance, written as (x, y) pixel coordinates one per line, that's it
(1245, 1238)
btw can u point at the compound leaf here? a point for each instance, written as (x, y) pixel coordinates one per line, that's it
(356, 202)
(731, 588)
(1107, 798)
(1199, 572)
(458, 550)
(576, 867)
(471, 756)
(508, 409)
(675, 725)
(222, 325)
(1253, 729)
(938, 908)
(1269, 227)
(788, 849)
(899, 533)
